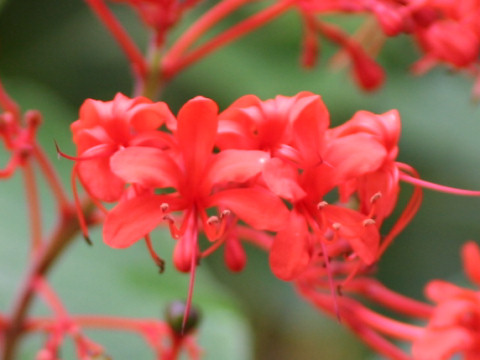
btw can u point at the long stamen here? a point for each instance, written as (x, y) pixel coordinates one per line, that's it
(192, 237)
(407, 214)
(230, 35)
(78, 207)
(157, 259)
(98, 151)
(442, 188)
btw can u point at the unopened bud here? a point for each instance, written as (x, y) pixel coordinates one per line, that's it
(174, 313)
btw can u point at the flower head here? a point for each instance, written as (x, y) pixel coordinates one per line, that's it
(454, 327)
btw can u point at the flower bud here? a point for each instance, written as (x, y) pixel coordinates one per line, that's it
(174, 313)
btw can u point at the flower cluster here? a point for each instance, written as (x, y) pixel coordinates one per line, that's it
(454, 325)
(271, 172)
(446, 32)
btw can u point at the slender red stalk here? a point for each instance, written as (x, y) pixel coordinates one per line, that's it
(52, 179)
(385, 325)
(228, 36)
(442, 188)
(7, 103)
(50, 297)
(192, 236)
(65, 231)
(157, 259)
(33, 205)
(377, 292)
(197, 29)
(407, 214)
(126, 43)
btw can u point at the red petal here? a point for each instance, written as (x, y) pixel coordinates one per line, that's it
(146, 166)
(311, 120)
(258, 207)
(290, 255)
(132, 219)
(196, 132)
(235, 166)
(364, 239)
(99, 181)
(354, 155)
(150, 116)
(282, 179)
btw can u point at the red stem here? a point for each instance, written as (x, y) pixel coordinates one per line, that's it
(128, 46)
(65, 231)
(33, 207)
(244, 27)
(196, 30)
(377, 292)
(7, 103)
(52, 179)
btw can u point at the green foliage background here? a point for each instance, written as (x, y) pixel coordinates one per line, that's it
(54, 54)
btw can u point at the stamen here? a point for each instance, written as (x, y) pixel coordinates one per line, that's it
(214, 226)
(98, 151)
(442, 188)
(321, 205)
(164, 207)
(225, 213)
(157, 259)
(367, 222)
(336, 226)
(213, 220)
(78, 207)
(375, 197)
(174, 231)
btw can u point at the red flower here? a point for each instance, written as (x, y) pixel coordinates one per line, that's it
(160, 14)
(381, 181)
(104, 128)
(454, 327)
(202, 180)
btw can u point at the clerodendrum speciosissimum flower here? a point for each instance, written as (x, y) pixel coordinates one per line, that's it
(269, 172)
(454, 326)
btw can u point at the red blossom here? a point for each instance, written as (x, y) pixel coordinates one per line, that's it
(454, 327)
(201, 178)
(104, 128)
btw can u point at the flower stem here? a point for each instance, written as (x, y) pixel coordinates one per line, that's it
(208, 20)
(244, 27)
(33, 208)
(66, 229)
(126, 43)
(52, 179)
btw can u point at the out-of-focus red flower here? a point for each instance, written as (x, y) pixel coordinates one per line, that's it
(454, 327)
(161, 15)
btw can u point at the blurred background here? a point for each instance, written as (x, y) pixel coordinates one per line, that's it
(54, 54)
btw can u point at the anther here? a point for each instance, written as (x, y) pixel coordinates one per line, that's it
(367, 222)
(375, 197)
(336, 226)
(164, 207)
(321, 205)
(87, 240)
(225, 213)
(213, 220)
